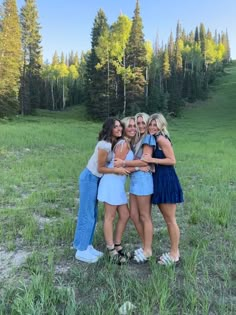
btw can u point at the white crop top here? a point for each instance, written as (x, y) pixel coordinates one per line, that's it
(92, 165)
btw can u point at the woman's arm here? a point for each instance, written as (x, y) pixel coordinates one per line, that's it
(102, 162)
(147, 150)
(120, 155)
(135, 165)
(121, 150)
(168, 151)
(131, 163)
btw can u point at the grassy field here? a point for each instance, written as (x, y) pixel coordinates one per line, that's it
(40, 161)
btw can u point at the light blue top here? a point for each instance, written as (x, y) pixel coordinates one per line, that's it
(138, 149)
(112, 186)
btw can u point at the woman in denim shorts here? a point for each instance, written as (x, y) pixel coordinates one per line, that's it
(141, 188)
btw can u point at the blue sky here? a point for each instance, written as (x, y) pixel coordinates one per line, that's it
(67, 24)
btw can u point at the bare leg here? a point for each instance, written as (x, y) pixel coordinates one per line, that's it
(168, 211)
(121, 223)
(144, 206)
(135, 217)
(110, 213)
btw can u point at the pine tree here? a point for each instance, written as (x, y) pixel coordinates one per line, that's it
(72, 85)
(136, 60)
(50, 74)
(202, 36)
(156, 45)
(196, 36)
(103, 52)
(225, 42)
(158, 99)
(55, 59)
(135, 48)
(62, 58)
(171, 46)
(176, 81)
(149, 54)
(216, 37)
(178, 31)
(31, 73)
(178, 56)
(76, 59)
(97, 105)
(10, 59)
(71, 58)
(46, 88)
(166, 69)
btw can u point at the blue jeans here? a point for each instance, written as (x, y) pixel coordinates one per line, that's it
(87, 213)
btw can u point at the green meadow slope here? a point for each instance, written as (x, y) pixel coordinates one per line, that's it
(40, 161)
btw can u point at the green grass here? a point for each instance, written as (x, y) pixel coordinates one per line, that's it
(40, 161)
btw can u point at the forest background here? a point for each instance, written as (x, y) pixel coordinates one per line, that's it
(120, 75)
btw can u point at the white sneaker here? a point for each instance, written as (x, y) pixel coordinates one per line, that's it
(94, 251)
(86, 256)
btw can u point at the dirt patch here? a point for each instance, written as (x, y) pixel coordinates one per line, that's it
(43, 220)
(11, 260)
(62, 268)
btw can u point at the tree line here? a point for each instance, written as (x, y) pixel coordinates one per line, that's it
(122, 73)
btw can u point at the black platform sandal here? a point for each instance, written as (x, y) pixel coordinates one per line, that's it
(116, 258)
(122, 252)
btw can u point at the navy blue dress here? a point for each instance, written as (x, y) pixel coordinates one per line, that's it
(167, 188)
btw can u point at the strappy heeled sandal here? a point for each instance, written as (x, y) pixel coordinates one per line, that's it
(115, 257)
(122, 252)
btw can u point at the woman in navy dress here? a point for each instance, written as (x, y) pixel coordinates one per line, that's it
(167, 189)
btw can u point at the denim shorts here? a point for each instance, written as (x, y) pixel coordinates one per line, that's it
(141, 183)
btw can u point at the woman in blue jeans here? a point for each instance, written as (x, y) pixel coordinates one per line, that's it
(88, 183)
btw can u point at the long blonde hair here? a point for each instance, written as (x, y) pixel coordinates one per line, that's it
(125, 122)
(145, 119)
(161, 123)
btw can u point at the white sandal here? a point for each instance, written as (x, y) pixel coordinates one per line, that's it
(168, 260)
(140, 258)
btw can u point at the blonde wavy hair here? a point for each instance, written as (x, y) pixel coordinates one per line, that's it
(161, 123)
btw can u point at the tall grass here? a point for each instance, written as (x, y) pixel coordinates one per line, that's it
(40, 160)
